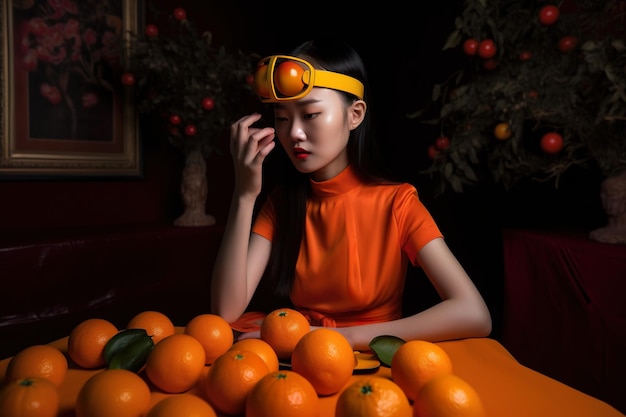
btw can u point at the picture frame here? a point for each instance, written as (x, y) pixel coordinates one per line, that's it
(64, 110)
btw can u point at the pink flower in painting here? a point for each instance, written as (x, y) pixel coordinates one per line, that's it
(37, 26)
(50, 92)
(90, 37)
(29, 61)
(71, 30)
(61, 34)
(74, 50)
(89, 100)
(60, 7)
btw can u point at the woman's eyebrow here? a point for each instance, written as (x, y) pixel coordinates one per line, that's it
(300, 103)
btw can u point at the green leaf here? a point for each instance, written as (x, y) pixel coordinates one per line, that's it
(385, 347)
(453, 40)
(456, 184)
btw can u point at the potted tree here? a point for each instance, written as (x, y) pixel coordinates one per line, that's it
(193, 89)
(541, 89)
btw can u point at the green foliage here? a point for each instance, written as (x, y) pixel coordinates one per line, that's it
(176, 70)
(579, 94)
(384, 347)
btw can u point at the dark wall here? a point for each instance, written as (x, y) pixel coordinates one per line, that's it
(403, 51)
(257, 27)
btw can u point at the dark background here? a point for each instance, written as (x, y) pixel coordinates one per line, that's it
(402, 49)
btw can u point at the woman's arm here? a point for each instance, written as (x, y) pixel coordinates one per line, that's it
(242, 257)
(461, 313)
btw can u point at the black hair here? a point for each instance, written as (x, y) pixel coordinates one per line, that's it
(290, 197)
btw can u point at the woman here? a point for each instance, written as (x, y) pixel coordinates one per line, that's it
(333, 238)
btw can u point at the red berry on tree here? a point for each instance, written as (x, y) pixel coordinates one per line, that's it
(180, 13)
(250, 79)
(190, 130)
(487, 48)
(470, 46)
(151, 31)
(442, 142)
(208, 103)
(490, 64)
(525, 55)
(433, 152)
(551, 143)
(568, 43)
(548, 15)
(128, 78)
(175, 119)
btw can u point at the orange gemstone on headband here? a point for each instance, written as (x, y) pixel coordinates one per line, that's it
(288, 78)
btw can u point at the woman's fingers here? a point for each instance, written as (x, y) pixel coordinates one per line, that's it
(250, 335)
(239, 131)
(249, 146)
(265, 143)
(247, 142)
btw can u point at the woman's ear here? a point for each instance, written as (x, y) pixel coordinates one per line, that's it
(356, 113)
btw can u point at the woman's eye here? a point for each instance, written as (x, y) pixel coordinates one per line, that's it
(310, 116)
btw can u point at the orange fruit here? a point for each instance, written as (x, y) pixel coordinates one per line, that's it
(282, 329)
(231, 377)
(417, 361)
(29, 397)
(283, 393)
(261, 348)
(324, 357)
(157, 324)
(448, 396)
(373, 396)
(176, 363)
(86, 341)
(213, 332)
(502, 131)
(113, 393)
(182, 405)
(42, 361)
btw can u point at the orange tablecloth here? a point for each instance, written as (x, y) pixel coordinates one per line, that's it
(506, 387)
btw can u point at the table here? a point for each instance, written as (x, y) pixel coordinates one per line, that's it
(506, 387)
(565, 313)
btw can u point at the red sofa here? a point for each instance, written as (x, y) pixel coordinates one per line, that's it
(53, 281)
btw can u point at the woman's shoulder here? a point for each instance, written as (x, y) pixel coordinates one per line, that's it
(391, 186)
(400, 195)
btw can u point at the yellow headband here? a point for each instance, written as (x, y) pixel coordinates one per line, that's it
(285, 78)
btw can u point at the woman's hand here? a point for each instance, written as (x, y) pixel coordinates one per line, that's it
(249, 146)
(256, 334)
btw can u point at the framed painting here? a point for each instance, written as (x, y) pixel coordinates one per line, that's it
(64, 110)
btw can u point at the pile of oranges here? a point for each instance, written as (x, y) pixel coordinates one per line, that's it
(211, 373)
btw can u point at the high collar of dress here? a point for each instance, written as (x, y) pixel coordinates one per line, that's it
(343, 182)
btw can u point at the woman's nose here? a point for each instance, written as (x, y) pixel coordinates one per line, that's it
(296, 132)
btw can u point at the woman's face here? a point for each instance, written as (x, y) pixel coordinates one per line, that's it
(314, 132)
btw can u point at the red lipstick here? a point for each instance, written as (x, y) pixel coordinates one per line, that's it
(300, 153)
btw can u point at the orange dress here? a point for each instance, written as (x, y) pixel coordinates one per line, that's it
(354, 255)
